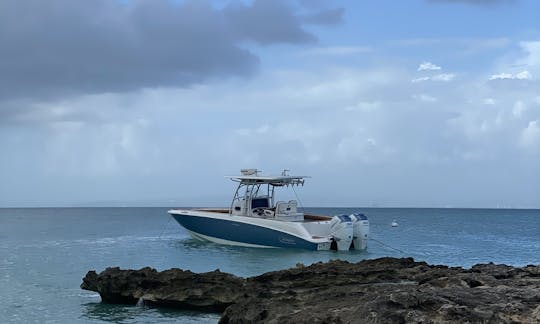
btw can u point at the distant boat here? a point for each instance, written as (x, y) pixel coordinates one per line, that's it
(256, 219)
(394, 223)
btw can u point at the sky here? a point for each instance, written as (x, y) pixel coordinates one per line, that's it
(417, 103)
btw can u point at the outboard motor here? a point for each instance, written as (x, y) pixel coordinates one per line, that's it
(341, 229)
(360, 231)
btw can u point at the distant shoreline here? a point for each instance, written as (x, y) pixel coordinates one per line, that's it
(307, 207)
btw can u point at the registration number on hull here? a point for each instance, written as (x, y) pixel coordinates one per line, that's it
(323, 246)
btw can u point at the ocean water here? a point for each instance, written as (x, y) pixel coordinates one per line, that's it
(45, 253)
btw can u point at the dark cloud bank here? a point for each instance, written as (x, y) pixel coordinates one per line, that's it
(60, 47)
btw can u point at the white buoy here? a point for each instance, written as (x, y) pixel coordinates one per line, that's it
(394, 223)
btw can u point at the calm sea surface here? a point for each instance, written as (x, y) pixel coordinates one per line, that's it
(44, 253)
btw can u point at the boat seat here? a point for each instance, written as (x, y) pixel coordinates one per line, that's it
(287, 211)
(293, 205)
(282, 208)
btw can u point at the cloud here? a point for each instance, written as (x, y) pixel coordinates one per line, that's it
(424, 97)
(357, 120)
(325, 17)
(364, 106)
(61, 47)
(530, 137)
(428, 66)
(523, 75)
(519, 109)
(420, 79)
(489, 101)
(363, 121)
(266, 22)
(501, 127)
(531, 60)
(443, 77)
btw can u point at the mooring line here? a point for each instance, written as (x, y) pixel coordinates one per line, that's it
(377, 223)
(386, 245)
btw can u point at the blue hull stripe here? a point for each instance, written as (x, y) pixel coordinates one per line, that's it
(241, 232)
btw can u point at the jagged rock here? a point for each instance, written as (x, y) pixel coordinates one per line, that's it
(212, 291)
(385, 290)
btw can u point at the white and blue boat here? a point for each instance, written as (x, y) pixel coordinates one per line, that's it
(256, 219)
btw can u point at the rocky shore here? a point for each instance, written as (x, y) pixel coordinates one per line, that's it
(385, 290)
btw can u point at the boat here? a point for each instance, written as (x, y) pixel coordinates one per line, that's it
(256, 218)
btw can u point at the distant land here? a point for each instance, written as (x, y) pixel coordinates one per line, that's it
(193, 203)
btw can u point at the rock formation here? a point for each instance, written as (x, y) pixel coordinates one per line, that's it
(385, 290)
(212, 291)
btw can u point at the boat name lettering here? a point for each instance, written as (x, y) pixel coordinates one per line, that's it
(287, 240)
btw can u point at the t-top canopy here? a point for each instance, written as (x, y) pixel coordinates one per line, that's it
(281, 180)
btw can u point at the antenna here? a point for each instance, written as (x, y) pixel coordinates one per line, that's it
(248, 172)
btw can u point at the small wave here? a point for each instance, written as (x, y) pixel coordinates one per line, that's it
(102, 241)
(89, 295)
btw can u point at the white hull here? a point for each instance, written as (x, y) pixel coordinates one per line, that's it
(248, 231)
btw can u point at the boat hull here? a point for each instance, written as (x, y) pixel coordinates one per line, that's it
(235, 232)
